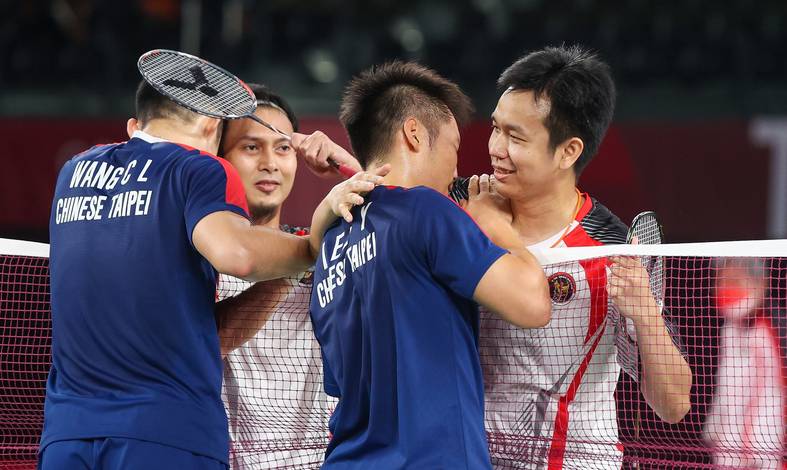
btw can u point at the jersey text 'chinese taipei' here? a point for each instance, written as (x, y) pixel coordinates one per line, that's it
(393, 312)
(135, 352)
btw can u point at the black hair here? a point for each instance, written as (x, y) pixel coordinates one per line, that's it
(150, 105)
(580, 91)
(267, 98)
(378, 100)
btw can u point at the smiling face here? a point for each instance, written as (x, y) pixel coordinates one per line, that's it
(523, 160)
(265, 160)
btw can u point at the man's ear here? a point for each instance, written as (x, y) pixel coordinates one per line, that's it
(413, 133)
(569, 152)
(210, 127)
(132, 125)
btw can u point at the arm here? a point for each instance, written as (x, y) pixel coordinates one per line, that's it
(666, 377)
(514, 287)
(240, 318)
(233, 246)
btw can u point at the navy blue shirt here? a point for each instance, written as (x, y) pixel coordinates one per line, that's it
(392, 309)
(135, 350)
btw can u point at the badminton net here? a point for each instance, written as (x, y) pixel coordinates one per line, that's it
(565, 396)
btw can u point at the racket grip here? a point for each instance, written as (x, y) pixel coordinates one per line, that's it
(345, 171)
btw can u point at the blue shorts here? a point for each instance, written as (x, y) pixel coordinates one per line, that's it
(115, 453)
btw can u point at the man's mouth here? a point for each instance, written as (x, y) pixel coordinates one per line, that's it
(267, 186)
(502, 173)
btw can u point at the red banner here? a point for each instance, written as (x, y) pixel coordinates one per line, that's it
(707, 180)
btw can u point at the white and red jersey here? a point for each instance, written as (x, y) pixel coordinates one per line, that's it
(273, 390)
(550, 392)
(745, 425)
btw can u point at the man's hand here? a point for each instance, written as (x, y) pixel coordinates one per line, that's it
(349, 193)
(629, 289)
(490, 210)
(317, 148)
(340, 201)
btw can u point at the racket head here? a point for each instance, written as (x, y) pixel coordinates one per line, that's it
(648, 230)
(196, 84)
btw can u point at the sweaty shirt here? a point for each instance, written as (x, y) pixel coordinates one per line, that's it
(135, 351)
(392, 309)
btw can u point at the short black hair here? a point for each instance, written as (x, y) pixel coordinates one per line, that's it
(267, 98)
(580, 91)
(150, 105)
(380, 98)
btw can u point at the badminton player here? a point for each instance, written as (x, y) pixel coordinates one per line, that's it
(395, 291)
(746, 421)
(272, 370)
(138, 231)
(556, 384)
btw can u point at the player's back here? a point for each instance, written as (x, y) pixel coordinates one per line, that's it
(135, 349)
(392, 308)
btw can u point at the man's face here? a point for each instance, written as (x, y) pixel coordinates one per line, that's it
(522, 158)
(441, 164)
(265, 160)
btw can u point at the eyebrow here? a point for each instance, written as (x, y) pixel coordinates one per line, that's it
(513, 127)
(278, 140)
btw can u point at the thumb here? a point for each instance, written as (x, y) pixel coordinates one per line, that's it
(634, 240)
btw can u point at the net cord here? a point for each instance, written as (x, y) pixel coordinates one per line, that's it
(734, 249)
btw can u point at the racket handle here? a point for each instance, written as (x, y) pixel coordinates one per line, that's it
(345, 171)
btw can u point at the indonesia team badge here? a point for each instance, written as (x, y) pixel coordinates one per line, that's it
(561, 288)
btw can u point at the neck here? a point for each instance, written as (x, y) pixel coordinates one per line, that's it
(190, 135)
(542, 214)
(266, 217)
(400, 175)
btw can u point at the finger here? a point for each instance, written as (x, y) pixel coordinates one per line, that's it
(297, 140)
(383, 170)
(472, 186)
(316, 153)
(635, 240)
(360, 186)
(356, 199)
(346, 214)
(483, 182)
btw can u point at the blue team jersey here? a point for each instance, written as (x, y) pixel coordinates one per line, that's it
(393, 312)
(135, 350)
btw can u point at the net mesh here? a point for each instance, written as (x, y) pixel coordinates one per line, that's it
(556, 397)
(197, 84)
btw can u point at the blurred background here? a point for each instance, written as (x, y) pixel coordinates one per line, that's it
(700, 134)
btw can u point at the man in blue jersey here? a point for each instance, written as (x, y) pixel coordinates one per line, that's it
(138, 231)
(394, 298)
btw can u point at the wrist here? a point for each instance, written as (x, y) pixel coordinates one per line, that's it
(652, 321)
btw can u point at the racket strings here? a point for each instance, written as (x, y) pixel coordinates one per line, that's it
(198, 85)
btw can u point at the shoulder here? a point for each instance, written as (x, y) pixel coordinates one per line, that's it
(602, 225)
(427, 201)
(96, 151)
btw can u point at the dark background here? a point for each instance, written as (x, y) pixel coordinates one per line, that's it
(694, 79)
(697, 80)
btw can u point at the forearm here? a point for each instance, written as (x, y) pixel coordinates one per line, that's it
(240, 318)
(666, 377)
(284, 254)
